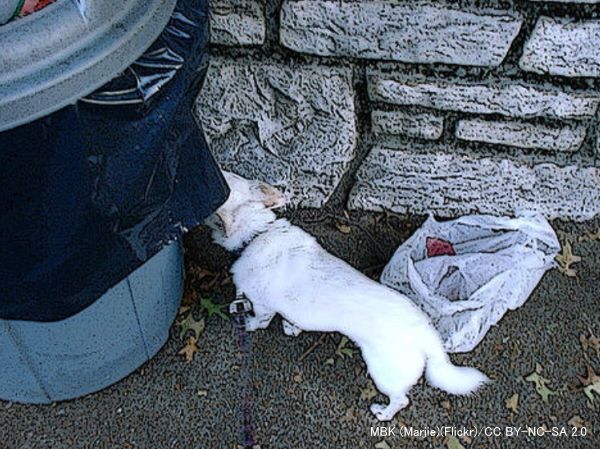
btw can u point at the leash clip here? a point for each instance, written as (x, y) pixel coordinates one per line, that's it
(240, 306)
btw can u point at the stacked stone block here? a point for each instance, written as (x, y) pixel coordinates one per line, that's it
(463, 107)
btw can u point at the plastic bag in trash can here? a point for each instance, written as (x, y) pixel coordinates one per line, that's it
(466, 273)
(94, 190)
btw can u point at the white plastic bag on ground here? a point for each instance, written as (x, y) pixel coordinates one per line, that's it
(466, 273)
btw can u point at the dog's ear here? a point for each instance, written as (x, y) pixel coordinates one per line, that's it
(270, 196)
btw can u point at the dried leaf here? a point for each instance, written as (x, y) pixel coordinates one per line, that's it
(513, 402)
(577, 422)
(591, 384)
(343, 228)
(566, 258)
(369, 392)
(540, 385)
(538, 368)
(190, 324)
(190, 295)
(446, 405)
(199, 273)
(350, 416)
(189, 349)
(466, 438)
(382, 445)
(297, 377)
(226, 281)
(589, 236)
(202, 393)
(183, 310)
(591, 342)
(452, 442)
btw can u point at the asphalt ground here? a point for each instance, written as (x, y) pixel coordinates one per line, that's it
(308, 393)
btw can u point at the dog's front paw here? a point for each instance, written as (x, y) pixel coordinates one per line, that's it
(258, 322)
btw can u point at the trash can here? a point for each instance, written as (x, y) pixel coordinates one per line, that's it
(103, 167)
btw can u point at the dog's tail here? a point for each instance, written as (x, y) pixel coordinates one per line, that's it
(441, 373)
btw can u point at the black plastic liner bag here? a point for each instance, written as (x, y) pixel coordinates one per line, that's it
(91, 192)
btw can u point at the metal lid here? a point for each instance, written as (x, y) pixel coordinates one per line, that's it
(54, 57)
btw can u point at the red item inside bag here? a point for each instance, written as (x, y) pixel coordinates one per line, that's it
(438, 247)
(31, 6)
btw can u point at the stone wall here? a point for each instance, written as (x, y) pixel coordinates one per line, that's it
(446, 106)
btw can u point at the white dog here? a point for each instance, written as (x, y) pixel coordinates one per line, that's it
(282, 269)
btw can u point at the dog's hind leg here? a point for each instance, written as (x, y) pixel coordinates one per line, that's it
(394, 371)
(290, 328)
(386, 412)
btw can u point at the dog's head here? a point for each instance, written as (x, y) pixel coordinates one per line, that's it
(247, 211)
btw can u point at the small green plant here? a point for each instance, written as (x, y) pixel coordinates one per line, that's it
(211, 308)
(342, 350)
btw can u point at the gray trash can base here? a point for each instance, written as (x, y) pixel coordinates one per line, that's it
(49, 362)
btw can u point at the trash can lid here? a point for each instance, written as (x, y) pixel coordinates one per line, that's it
(69, 49)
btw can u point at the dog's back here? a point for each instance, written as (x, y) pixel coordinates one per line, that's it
(287, 270)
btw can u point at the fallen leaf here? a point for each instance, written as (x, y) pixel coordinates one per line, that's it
(202, 393)
(589, 236)
(183, 310)
(466, 438)
(566, 258)
(350, 416)
(591, 384)
(540, 385)
(452, 442)
(446, 405)
(382, 445)
(342, 349)
(200, 272)
(297, 377)
(190, 324)
(591, 342)
(189, 349)
(369, 392)
(343, 228)
(190, 295)
(226, 281)
(211, 308)
(513, 402)
(577, 422)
